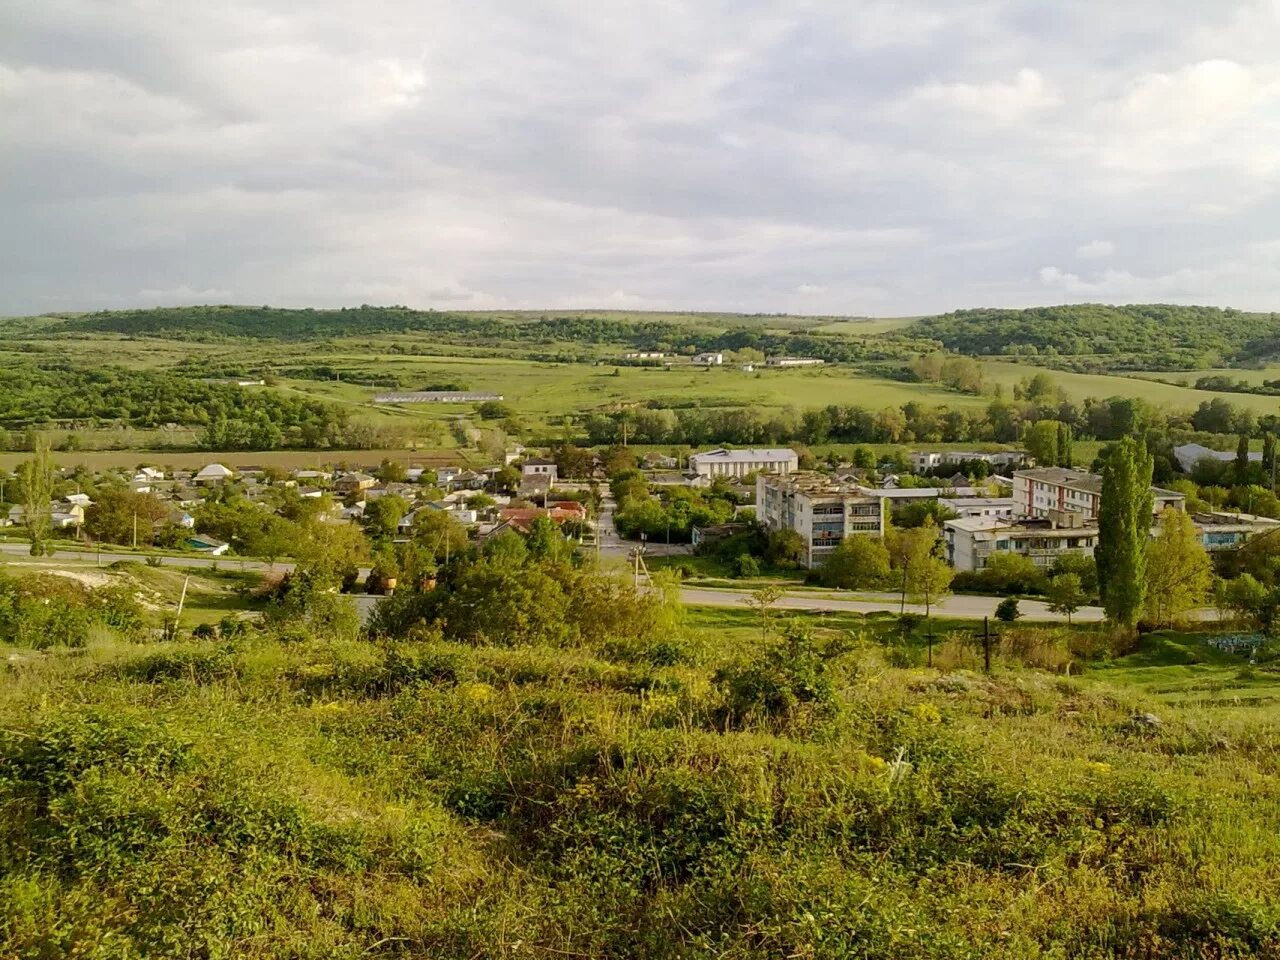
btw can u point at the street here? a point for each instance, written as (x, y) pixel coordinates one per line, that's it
(957, 605)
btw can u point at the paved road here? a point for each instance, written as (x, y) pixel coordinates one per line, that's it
(959, 605)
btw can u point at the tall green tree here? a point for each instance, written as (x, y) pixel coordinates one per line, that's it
(1065, 594)
(1065, 437)
(1124, 526)
(1240, 473)
(1269, 459)
(37, 486)
(1179, 572)
(1041, 440)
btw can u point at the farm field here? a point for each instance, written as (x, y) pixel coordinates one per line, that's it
(1082, 385)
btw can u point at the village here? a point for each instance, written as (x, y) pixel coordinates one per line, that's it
(986, 504)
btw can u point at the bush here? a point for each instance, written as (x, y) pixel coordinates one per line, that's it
(1007, 610)
(789, 678)
(746, 566)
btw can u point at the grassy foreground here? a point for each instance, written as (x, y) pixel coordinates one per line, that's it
(716, 795)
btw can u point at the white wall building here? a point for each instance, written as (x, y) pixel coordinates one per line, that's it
(823, 512)
(1189, 454)
(922, 460)
(540, 467)
(723, 462)
(794, 362)
(1038, 492)
(709, 359)
(972, 541)
(979, 506)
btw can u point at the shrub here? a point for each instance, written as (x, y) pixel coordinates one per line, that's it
(789, 678)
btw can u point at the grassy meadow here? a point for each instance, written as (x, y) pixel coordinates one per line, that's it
(816, 793)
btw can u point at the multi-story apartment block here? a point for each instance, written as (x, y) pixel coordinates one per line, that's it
(1039, 492)
(972, 541)
(821, 510)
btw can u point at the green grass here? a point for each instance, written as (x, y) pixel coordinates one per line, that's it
(1181, 669)
(1080, 386)
(281, 796)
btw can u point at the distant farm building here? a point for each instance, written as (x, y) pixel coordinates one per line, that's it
(437, 396)
(793, 362)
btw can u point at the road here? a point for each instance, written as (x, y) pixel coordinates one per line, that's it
(962, 606)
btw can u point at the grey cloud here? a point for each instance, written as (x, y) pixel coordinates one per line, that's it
(866, 157)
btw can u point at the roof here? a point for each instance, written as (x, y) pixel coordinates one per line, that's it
(821, 485)
(724, 455)
(1060, 475)
(539, 462)
(1083, 481)
(1189, 454)
(1039, 525)
(214, 471)
(1216, 519)
(522, 517)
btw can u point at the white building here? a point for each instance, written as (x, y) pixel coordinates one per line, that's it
(822, 511)
(1036, 493)
(922, 461)
(540, 467)
(709, 359)
(794, 362)
(979, 506)
(972, 541)
(214, 473)
(1189, 454)
(723, 462)
(437, 396)
(1223, 531)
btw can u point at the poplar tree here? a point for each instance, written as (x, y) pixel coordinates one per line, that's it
(37, 484)
(1124, 526)
(1242, 460)
(1065, 458)
(1268, 458)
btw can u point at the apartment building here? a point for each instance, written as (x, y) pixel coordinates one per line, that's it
(973, 541)
(1037, 493)
(979, 506)
(821, 510)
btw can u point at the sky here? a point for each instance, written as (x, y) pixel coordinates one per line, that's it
(861, 157)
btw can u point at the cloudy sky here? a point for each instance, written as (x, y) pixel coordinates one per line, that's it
(821, 156)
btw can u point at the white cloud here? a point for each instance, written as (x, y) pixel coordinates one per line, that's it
(1095, 250)
(1000, 102)
(893, 156)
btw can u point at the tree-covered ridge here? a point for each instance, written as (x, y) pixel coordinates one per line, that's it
(37, 394)
(647, 333)
(1164, 334)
